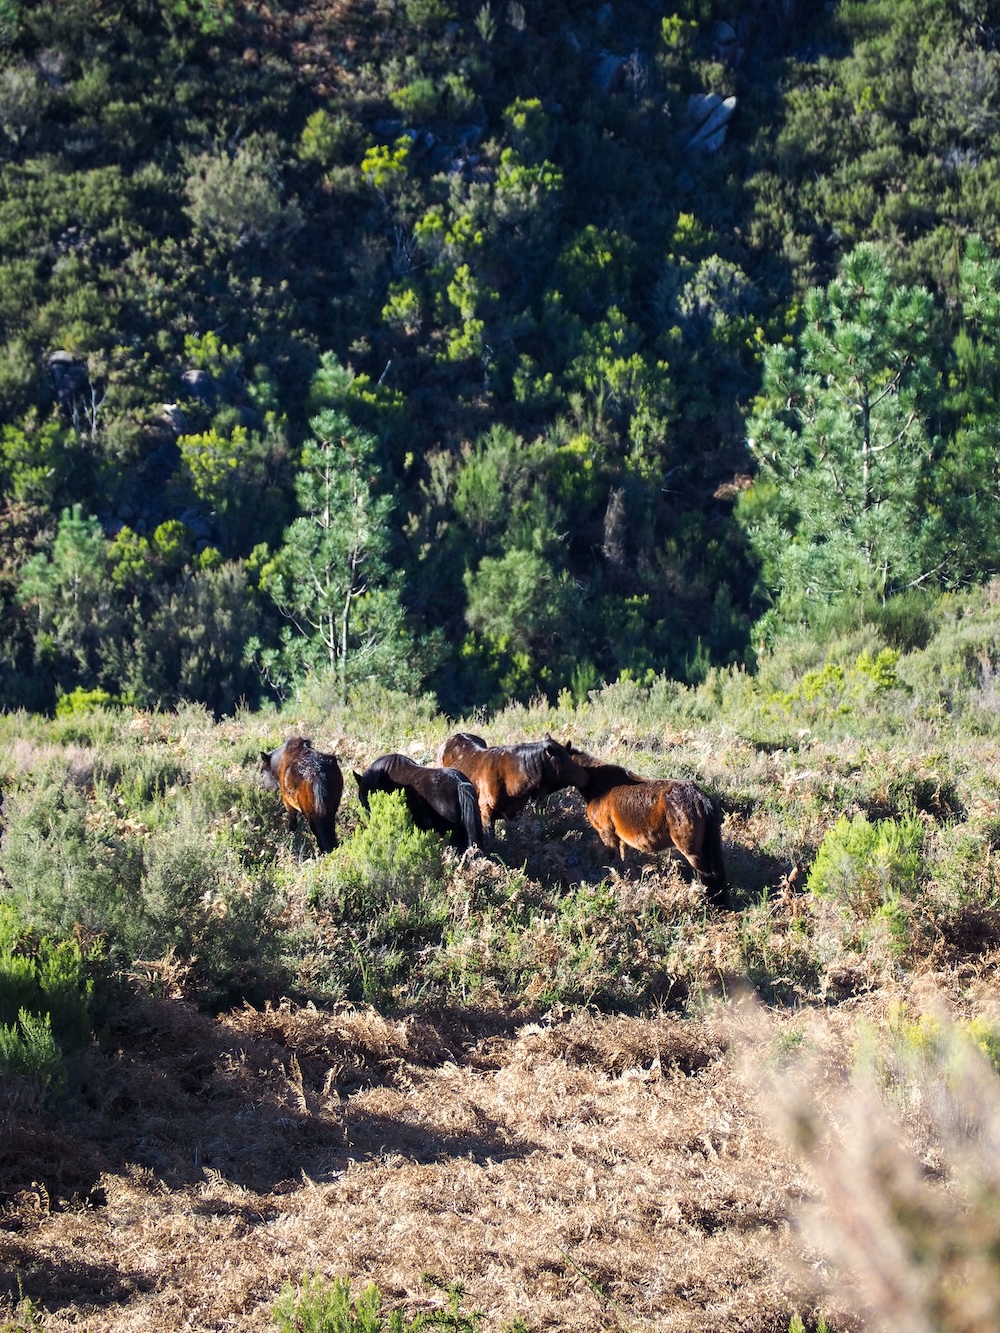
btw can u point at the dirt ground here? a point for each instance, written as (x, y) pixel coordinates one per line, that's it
(591, 1173)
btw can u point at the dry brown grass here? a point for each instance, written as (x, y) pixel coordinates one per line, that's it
(590, 1173)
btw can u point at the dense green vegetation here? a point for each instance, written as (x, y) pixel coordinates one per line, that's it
(413, 341)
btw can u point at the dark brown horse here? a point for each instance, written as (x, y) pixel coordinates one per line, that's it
(507, 777)
(440, 799)
(310, 784)
(653, 814)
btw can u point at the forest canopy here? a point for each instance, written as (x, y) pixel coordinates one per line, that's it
(481, 349)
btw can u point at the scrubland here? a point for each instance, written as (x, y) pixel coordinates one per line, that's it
(565, 1090)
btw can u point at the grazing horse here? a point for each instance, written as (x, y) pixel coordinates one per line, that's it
(310, 784)
(441, 799)
(507, 777)
(653, 814)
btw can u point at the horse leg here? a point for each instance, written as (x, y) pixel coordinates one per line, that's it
(326, 838)
(291, 818)
(608, 836)
(706, 872)
(486, 809)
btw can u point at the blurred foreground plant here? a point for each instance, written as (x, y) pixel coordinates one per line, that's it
(906, 1158)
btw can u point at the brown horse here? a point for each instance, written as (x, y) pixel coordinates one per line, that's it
(507, 777)
(438, 799)
(310, 784)
(653, 814)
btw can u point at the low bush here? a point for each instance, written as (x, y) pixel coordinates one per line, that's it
(866, 865)
(182, 882)
(46, 993)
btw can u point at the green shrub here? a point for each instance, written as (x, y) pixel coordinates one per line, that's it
(195, 899)
(26, 1315)
(380, 904)
(84, 701)
(428, 15)
(389, 866)
(138, 777)
(867, 865)
(184, 885)
(986, 1037)
(45, 998)
(60, 872)
(27, 1046)
(796, 1325)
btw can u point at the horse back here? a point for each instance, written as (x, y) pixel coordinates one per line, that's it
(651, 815)
(459, 746)
(440, 798)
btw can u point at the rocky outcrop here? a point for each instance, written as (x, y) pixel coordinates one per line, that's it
(708, 117)
(68, 374)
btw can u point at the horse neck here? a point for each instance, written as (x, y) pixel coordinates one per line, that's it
(602, 777)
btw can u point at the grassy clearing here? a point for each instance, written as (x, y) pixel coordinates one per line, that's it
(565, 1084)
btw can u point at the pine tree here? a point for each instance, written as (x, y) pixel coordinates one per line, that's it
(841, 438)
(332, 578)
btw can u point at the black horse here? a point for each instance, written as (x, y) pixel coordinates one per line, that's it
(439, 799)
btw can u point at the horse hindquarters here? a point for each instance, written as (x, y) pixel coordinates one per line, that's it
(322, 796)
(698, 837)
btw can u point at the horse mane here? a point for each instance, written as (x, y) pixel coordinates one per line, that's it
(532, 755)
(603, 776)
(386, 763)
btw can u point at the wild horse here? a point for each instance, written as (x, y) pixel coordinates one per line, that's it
(441, 799)
(507, 777)
(310, 783)
(652, 814)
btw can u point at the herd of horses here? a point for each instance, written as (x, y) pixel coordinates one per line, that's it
(473, 784)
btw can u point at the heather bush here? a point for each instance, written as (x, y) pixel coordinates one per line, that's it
(147, 868)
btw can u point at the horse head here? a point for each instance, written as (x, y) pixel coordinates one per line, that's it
(359, 778)
(267, 778)
(562, 763)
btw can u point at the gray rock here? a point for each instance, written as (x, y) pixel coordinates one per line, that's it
(724, 33)
(199, 384)
(712, 132)
(68, 374)
(700, 106)
(172, 417)
(609, 76)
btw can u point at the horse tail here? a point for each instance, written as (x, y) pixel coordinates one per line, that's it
(468, 806)
(323, 811)
(715, 881)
